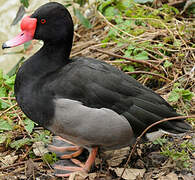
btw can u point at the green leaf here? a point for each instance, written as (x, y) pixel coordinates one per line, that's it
(119, 20)
(81, 2)
(29, 125)
(177, 43)
(10, 81)
(25, 3)
(3, 92)
(112, 33)
(49, 157)
(43, 136)
(128, 23)
(19, 143)
(143, 1)
(176, 85)
(167, 64)
(173, 97)
(1, 74)
(85, 22)
(105, 40)
(104, 4)
(4, 105)
(31, 154)
(160, 141)
(187, 95)
(5, 126)
(142, 56)
(131, 47)
(67, 5)
(126, 3)
(186, 164)
(128, 68)
(111, 11)
(120, 44)
(2, 138)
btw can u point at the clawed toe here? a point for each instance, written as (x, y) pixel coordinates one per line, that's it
(63, 168)
(67, 151)
(64, 149)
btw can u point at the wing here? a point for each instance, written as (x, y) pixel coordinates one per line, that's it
(99, 85)
(90, 127)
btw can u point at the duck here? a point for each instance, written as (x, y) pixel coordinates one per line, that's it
(86, 102)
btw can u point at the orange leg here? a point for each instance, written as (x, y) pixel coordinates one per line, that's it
(72, 155)
(91, 159)
(69, 149)
(80, 167)
(78, 150)
(62, 139)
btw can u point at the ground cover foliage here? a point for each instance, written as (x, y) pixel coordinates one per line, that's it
(154, 43)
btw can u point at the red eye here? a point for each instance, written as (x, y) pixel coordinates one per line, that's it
(43, 21)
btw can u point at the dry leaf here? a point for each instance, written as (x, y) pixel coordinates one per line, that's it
(139, 152)
(140, 164)
(82, 175)
(115, 157)
(9, 159)
(156, 158)
(39, 148)
(30, 168)
(158, 174)
(187, 137)
(7, 177)
(129, 174)
(148, 176)
(187, 177)
(170, 176)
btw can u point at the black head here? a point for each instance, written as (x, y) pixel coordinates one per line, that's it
(54, 23)
(51, 23)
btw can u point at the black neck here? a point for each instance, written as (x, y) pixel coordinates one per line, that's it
(47, 60)
(57, 49)
(32, 75)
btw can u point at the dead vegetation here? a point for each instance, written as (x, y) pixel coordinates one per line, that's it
(161, 56)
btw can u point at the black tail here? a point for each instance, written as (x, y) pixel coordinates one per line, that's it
(176, 126)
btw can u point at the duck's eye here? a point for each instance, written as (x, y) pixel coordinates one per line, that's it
(43, 21)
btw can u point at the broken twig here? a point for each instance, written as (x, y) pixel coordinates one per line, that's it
(126, 58)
